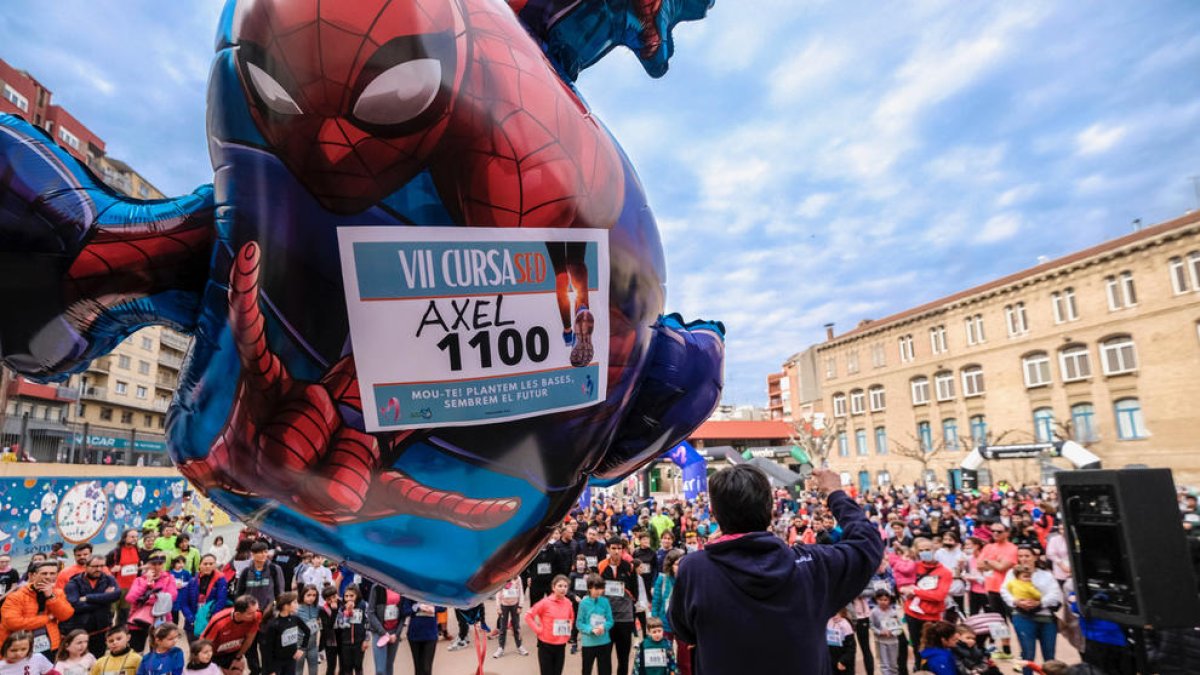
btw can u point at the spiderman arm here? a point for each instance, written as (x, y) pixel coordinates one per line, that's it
(574, 34)
(82, 267)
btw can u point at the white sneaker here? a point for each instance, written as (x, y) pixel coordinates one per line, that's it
(498, 653)
(457, 645)
(522, 651)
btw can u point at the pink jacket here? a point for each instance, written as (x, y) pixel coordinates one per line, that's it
(904, 571)
(541, 618)
(142, 595)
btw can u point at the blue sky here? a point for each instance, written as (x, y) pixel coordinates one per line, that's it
(808, 162)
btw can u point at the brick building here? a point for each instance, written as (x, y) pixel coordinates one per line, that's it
(1101, 346)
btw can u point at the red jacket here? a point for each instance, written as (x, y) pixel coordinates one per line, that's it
(928, 601)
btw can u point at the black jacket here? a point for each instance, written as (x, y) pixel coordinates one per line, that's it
(755, 595)
(281, 629)
(376, 612)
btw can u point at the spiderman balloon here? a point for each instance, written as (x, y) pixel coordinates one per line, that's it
(425, 288)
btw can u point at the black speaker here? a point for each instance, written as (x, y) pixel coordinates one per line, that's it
(1129, 555)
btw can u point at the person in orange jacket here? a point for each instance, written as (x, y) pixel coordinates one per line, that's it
(20, 610)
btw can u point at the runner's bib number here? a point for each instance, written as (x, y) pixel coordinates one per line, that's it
(41, 641)
(598, 621)
(833, 637)
(290, 637)
(581, 584)
(998, 631)
(644, 568)
(891, 624)
(129, 570)
(656, 658)
(512, 593)
(561, 628)
(543, 569)
(356, 617)
(391, 613)
(614, 588)
(591, 561)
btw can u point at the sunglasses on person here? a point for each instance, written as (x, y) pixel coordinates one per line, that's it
(999, 530)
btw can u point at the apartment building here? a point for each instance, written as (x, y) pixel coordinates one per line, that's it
(1101, 346)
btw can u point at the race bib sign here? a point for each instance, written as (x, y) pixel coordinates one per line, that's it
(455, 326)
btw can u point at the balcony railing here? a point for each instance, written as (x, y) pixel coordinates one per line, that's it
(161, 406)
(95, 393)
(100, 365)
(169, 361)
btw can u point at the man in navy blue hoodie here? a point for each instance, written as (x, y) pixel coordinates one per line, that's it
(749, 600)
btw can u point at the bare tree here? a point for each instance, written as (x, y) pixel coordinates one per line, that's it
(817, 441)
(913, 449)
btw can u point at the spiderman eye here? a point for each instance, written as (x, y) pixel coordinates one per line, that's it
(400, 93)
(271, 92)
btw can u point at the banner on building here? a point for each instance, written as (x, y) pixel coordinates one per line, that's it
(695, 469)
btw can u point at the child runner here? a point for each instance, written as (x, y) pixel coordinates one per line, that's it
(19, 658)
(329, 641)
(309, 612)
(120, 659)
(200, 662)
(594, 622)
(839, 637)
(509, 601)
(422, 633)
(165, 658)
(887, 629)
(73, 656)
(285, 638)
(937, 643)
(579, 591)
(551, 619)
(654, 655)
(351, 629)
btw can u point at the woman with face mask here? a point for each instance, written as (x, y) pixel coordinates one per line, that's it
(925, 599)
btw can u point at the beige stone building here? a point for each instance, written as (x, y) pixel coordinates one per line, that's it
(1101, 346)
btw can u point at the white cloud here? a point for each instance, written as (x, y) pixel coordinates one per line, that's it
(807, 72)
(1098, 138)
(972, 164)
(999, 228)
(1016, 195)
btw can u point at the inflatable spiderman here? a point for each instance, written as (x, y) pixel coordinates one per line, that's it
(366, 113)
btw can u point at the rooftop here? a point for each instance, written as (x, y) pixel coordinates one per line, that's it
(715, 430)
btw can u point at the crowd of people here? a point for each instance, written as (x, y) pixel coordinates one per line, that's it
(899, 581)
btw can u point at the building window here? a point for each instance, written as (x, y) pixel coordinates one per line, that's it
(1193, 261)
(950, 433)
(1014, 316)
(82, 410)
(141, 391)
(884, 478)
(843, 445)
(123, 362)
(852, 362)
(122, 388)
(126, 417)
(978, 430)
(943, 383)
(972, 381)
(1130, 425)
(907, 353)
(106, 414)
(144, 367)
(1179, 275)
(147, 343)
(830, 368)
(937, 339)
(1118, 356)
(68, 137)
(147, 420)
(1043, 425)
(860, 442)
(1083, 422)
(16, 99)
(857, 402)
(925, 433)
(1037, 369)
(162, 422)
(1063, 303)
(920, 390)
(1120, 290)
(878, 355)
(1075, 363)
(974, 326)
(878, 402)
(880, 441)
(839, 405)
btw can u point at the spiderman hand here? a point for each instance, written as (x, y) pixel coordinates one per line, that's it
(291, 443)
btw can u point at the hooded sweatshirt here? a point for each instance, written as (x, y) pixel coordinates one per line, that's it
(752, 594)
